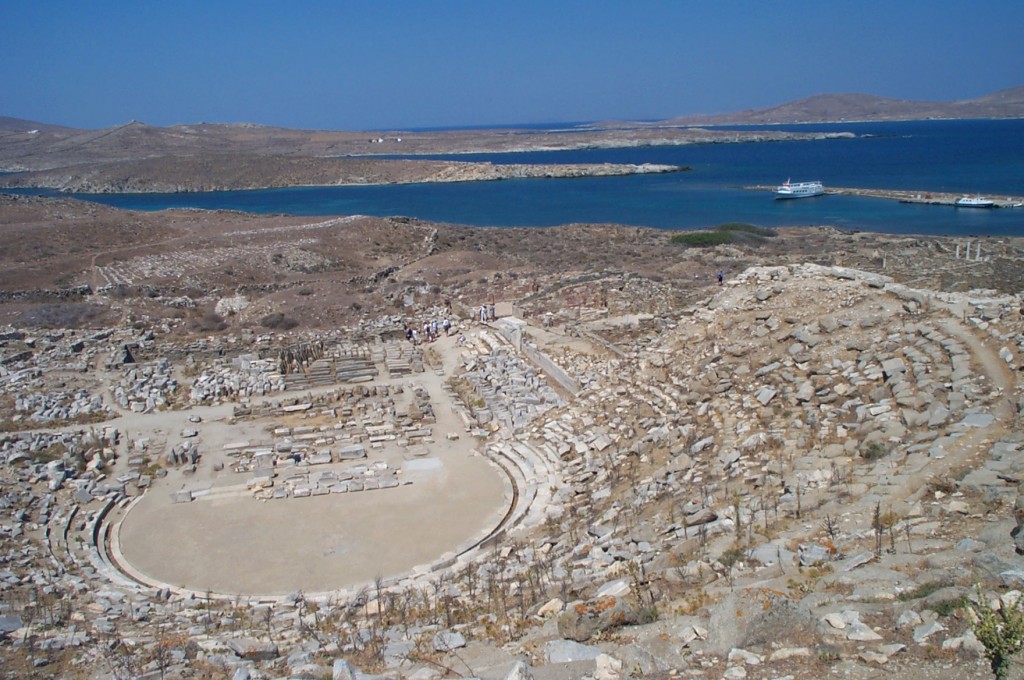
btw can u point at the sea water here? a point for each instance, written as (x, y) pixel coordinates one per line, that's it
(975, 156)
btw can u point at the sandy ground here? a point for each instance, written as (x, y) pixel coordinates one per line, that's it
(227, 542)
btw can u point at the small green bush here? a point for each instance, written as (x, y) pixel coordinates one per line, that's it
(949, 607)
(828, 655)
(923, 590)
(1000, 631)
(746, 229)
(873, 451)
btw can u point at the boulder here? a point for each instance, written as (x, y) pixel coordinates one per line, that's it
(568, 651)
(520, 671)
(446, 641)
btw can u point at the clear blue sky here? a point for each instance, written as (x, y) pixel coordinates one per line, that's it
(380, 64)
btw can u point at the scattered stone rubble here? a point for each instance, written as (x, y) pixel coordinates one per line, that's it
(242, 378)
(147, 387)
(812, 467)
(513, 392)
(61, 406)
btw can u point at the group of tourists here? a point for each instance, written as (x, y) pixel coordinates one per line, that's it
(429, 332)
(431, 329)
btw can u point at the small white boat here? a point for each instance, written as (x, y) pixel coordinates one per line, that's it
(974, 202)
(799, 189)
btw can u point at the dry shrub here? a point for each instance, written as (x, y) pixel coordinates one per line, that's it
(278, 321)
(210, 322)
(62, 315)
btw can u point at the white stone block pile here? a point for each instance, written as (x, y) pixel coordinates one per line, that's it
(56, 406)
(147, 387)
(244, 378)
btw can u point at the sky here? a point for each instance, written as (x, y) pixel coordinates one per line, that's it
(383, 64)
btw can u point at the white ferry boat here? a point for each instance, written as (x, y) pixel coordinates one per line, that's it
(974, 202)
(799, 189)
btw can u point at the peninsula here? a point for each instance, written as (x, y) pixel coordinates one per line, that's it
(181, 174)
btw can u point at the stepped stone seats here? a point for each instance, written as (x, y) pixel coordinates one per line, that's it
(401, 359)
(345, 362)
(297, 381)
(321, 372)
(354, 369)
(354, 363)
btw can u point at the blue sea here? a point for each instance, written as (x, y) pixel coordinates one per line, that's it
(973, 156)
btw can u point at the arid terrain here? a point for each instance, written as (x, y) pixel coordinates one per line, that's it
(223, 458)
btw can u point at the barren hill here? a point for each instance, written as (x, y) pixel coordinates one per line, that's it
(64, 147)
(1007, 103)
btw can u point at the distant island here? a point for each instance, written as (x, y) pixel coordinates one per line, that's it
(136, 157)
(839, 108)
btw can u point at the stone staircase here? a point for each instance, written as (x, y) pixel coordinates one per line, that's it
(349, 365)
(401, 359)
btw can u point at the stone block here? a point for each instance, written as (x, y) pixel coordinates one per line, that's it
(252, 649)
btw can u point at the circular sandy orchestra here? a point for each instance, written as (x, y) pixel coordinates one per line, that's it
(349, 486)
